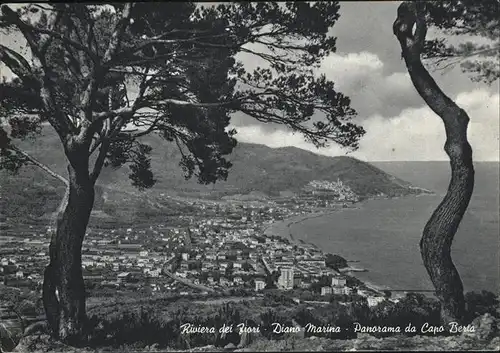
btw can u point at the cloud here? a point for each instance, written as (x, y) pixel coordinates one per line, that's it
(418, 133)
(484, 126)
(362, 76)
(415, 134)
(342, 67)
(367, 26)
(280, 138)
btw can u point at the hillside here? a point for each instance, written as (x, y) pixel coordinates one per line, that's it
(256, 169)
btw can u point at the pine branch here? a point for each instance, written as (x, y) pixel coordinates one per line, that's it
(40, 165)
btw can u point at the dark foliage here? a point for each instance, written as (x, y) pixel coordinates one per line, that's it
(335, 261)
(459, 21)
(480, 303)
(151, 323)
(414, 308)
(183, 73)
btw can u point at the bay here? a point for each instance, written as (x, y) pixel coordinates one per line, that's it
(384, 234)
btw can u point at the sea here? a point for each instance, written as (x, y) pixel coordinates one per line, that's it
(383, 235)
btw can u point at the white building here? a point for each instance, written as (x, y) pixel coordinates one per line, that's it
(154, 273)
(347, 290)
(259, 285)
(338, 282)
(338, 290)
(286, 278)
(326, 290)
(122, 277)
(374, 301)
(87, 263)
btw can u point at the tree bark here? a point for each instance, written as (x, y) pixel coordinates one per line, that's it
(63, 287)
(435, 245)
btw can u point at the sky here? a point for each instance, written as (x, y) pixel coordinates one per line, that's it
(369, 69)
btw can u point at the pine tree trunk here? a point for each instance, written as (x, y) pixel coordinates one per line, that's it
(63, 288)
(435, 245)
(438, 234)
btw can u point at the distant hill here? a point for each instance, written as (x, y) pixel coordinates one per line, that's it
(257, 170)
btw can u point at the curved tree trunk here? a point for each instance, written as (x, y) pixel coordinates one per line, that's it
(438, 234)
(63, 287)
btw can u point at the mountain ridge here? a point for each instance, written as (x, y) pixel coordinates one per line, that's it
(256, 168)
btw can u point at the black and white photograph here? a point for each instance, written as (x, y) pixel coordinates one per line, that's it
(249, 176)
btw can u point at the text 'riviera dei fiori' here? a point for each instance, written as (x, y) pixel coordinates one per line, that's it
(241, 328)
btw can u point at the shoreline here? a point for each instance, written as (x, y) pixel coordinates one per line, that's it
(277, 228)
(282, 229)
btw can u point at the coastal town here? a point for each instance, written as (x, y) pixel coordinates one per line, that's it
(224, 245)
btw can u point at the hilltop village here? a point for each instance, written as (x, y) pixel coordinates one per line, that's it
(223, 246)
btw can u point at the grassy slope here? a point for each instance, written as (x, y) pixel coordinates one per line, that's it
(255, 168)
